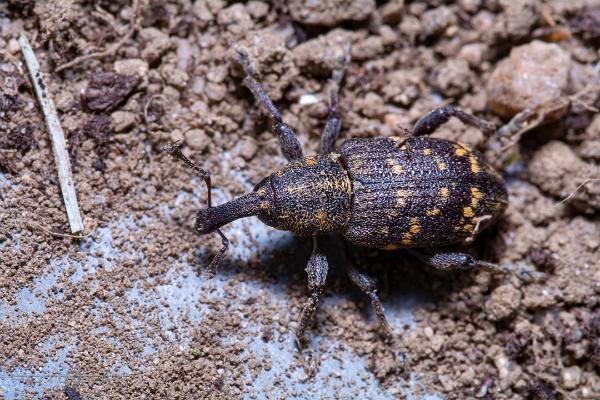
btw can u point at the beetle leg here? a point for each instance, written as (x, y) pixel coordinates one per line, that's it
(367, 285)
(332, 126)
(457, 261)
(317, 272)
(428, 123)
(290, 146)
(175, 151)
(461, 261)
(334, 121)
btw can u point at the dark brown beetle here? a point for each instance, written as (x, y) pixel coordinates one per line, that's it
(415, 192)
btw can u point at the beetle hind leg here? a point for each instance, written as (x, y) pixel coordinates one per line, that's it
(462, 261)
(428, 123)
(457, 261)
(317, 273)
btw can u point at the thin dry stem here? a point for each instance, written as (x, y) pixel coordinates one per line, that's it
(112, 49)
(57, 234)
(576, 190)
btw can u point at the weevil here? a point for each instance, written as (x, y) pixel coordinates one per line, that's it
(414, 192)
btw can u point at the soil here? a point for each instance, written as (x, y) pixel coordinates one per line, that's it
(126, 311)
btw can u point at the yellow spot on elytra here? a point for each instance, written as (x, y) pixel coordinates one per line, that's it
(465, 146)
(441, 165)
(397, 169)
(468, 212)
(427, 152)
(321, 214)
(401, 196)
(295, 189)
(403, 147)
(433, 212)
(475, 196)
(384, 230)
(474, 164)
(414, 227)
(264, 204)
(460, 152)
(444, 192)
(310, 161)
(390, 247)
(468, 228)
(406, 239)
(396, 138)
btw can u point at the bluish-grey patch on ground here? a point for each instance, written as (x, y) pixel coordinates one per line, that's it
(341, 374)
(20, 381)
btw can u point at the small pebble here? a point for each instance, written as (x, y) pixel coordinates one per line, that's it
(13, 46)
(196, 139)
(131, 66)
(503, 302)
(571, 377)
(248, 148)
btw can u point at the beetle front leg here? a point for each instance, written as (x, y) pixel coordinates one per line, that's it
(290, 146)
(175, 151)
(317, 273)
(367, 285)
(434, 119)
(334, 122)
(332, 126)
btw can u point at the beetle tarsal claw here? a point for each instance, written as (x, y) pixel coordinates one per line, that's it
(173, 147)
(213, 266)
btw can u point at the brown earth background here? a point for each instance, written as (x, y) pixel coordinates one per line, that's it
(126, 312)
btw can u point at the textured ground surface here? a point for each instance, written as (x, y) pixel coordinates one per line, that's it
(127, 313)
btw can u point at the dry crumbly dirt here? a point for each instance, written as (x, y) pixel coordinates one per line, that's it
(127, 313)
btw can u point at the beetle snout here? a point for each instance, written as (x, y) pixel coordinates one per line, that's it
(210, 219)
(205, 221)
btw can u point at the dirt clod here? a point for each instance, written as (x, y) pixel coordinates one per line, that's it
(519, 345)
(533, 75)
(330, 12)
(542, 390)
(503, 302)
(587, 24)
(556, 169)
(108, 90)
(22, 7)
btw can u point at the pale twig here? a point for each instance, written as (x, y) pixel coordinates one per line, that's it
(576, 190)
(576, 98)
(102, 14)
(112, 49)
(59, 145)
